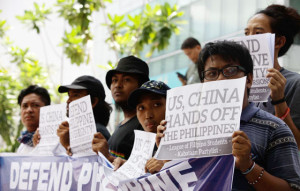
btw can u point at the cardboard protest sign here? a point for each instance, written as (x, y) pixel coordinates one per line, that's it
(82, 125)
(201, 119)
(50, 118)
(91, 173)
(141, 152)
(261, 48)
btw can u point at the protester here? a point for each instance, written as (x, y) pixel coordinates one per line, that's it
(31, 99)
(191, 48)
(130, 73)
(150, 103)
(284, 101)
(264, 147)
(80, 87)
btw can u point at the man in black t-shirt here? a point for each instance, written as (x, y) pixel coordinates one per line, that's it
(129, 75)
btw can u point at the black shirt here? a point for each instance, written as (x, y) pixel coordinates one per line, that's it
(102, 129)
(121, 142)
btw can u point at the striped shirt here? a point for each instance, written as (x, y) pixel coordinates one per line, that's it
(273, 147)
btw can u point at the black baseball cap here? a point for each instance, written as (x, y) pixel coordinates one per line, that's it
(153, 86)
(85, 82)
(129, 65)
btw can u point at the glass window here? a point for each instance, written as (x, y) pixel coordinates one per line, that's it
(212, 19)
(197, 20)
(296, 5)
(230, 16)
(206, 20)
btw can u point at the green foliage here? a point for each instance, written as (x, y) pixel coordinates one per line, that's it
(79, 16)
(129, 34)
(153, 27)
(12, 81)
(3, 27)
(35, 18)
(74, 46)
(7, 104)
(29, 72)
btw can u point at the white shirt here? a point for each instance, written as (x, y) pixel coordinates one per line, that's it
(24, 149)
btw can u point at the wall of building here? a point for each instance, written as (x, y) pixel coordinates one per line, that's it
(207, 21)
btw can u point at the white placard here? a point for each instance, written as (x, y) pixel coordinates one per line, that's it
(261, 48)
(141, 152)
(201, 119)
(50, 118)
(82, 125)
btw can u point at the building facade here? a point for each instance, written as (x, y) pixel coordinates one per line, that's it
(209, 20)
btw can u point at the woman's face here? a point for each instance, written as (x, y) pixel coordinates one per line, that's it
(30, 111)
(258, 24)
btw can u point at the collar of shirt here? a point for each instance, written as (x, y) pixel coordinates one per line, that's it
(249, 112)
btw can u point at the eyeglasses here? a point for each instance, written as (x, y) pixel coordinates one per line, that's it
(228, 71)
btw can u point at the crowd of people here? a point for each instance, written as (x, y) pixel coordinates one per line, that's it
(267, 145)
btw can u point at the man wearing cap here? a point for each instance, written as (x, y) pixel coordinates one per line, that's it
(80, 87)
(150, 103)
(129, 75)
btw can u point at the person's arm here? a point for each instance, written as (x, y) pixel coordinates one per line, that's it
(258, 177)
(100, 144)
(277, 85)
(118, 162)
(160, 132)
(36, 137)
(154, 165)
(63, 134)
(280, 111)
(182, 79)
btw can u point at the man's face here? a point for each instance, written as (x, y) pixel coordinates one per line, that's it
(122, 85)
(74, 95)
(30, 111)
(151, 111)
(258, 24)
(193, 53)
(217, 62)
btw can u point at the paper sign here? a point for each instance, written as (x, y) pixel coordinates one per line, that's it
(201, 119)
(82, 125)
(261, 48)
(50, 118)
(142, 151)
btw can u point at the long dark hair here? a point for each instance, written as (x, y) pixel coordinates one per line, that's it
(102, 110)
(284, 21)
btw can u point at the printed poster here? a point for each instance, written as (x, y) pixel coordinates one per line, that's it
(50, 118)
(261, 48)
(82, 125)
(201, 119)
(141, 152)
